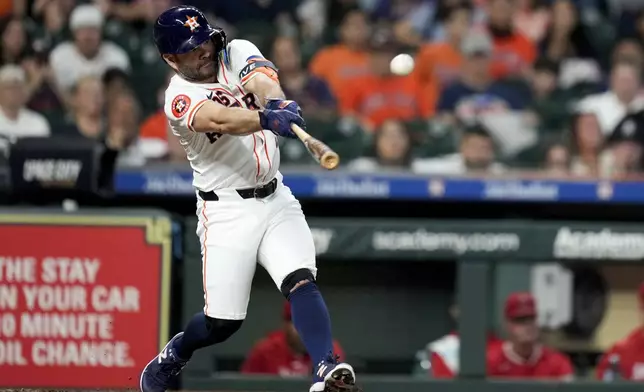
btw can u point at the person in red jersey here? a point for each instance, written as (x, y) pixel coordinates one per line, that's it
(444, 352)
(625, 360)
(522, 355)
(282, 352)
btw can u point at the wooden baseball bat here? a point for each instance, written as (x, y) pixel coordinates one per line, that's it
(326, 157)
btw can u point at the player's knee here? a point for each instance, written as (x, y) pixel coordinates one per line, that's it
(220, 330)
(296, 279)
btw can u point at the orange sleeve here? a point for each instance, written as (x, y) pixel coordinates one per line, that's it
(154, 126)
(349, 102)
(526, 49)
(319, 65)
(255, 362)
(427, 83)
(438, 367)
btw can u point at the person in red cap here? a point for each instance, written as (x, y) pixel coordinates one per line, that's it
(282, 353)
(625, 360)
(522, 355)
(444, 352)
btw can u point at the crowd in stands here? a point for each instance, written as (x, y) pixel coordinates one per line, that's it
(547, 86)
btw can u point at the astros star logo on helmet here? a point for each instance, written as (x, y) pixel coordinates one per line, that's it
(192, 23)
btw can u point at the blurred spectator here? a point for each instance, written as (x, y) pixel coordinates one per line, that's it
(14, 45)
(413, 20)
(87, 105)
(557, 162)
(628, 50)
(155, 135)
(382, 95)
(339, 64)
(522, 355)
(444, 360)
(88, 54)
(115, 82)
(439, 63)
(532, 19)
(566, 37)
(239, 11)
(134, 10)
(282, 352)
(15, 49)
(550, 103)
(391, 149)
(16, 120)
(625, 359)
(311, 93)
(476, 93)
(513, 52)
(624, 96)
(51, 22)
(587, 142)
(624, 147)
(123, 118)
(476, 155)
(114, 126)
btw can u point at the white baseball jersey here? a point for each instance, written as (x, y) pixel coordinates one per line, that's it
(223, 161)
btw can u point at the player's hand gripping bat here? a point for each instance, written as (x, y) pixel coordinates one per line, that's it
(326, 157)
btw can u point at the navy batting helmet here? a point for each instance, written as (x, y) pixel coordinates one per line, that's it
(183, 28)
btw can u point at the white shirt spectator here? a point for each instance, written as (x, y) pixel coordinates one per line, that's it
(87, 54)
(69, 65)
(16, 121)
(608, 109)
(27, 124)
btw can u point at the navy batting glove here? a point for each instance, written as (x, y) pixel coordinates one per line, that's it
(284, 104)
(279, 122)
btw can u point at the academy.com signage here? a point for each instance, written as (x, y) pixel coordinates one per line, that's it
(598, 244)
(459, 243)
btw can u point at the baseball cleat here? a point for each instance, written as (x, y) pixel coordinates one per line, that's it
(334, 377)
(163, 370)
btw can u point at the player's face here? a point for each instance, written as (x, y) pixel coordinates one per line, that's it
(199, 64)
(523, 330)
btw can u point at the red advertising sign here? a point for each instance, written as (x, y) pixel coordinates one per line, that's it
(83, 300)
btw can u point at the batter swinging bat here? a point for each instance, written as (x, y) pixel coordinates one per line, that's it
(326, 157)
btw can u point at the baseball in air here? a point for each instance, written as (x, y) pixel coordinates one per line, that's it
(402, 64)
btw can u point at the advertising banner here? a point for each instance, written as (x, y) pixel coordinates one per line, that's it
(83, 299)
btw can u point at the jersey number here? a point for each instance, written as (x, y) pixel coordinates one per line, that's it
(224, 99)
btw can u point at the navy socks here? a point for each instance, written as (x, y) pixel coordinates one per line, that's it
(312, 322)
(195, 336)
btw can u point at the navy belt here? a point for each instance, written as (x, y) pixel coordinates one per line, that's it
(249, 193)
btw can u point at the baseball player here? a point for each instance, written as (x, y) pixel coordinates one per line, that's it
(227, 108)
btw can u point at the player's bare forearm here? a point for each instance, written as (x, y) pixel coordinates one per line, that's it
(264, 87)
(212, 117)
